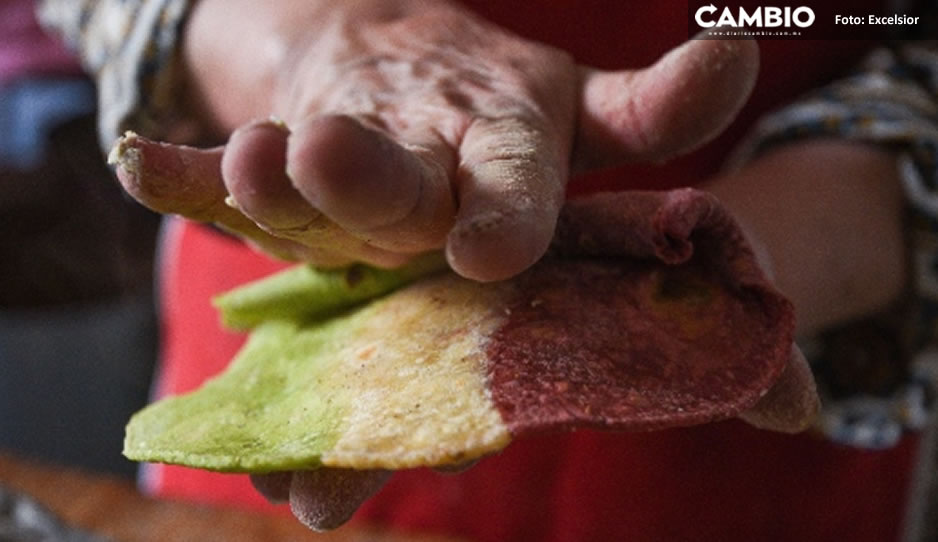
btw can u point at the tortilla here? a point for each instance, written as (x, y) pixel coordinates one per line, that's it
(304, 292)
(648, 312)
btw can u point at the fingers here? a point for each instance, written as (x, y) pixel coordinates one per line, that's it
(185, 181)
(510, 187)
(274, 486)
(792, 404)
(326, 498)
(396, 198)
(255, 176)
(356, 195)
(242, 188)
(686, 98)
(171, 178)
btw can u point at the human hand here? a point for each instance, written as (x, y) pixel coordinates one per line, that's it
(411, 128)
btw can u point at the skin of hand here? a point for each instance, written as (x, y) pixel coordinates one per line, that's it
(412, 125)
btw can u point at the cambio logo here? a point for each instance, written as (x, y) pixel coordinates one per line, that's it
(761, 17)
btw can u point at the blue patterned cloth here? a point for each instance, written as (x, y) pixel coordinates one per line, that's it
(891, 359)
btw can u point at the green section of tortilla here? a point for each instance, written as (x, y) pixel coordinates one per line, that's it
(327, 377)
(304, 292)
(264, 412)
(396, 383)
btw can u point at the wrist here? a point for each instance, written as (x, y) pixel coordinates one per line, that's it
(232, 54)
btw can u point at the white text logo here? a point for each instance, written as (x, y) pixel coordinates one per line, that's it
(761, 17)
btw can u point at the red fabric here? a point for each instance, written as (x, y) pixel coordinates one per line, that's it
(721, 482)
(198, 264)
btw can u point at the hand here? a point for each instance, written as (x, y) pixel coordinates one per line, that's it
(411, 128)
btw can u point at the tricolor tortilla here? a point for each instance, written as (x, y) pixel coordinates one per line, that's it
(648, 312)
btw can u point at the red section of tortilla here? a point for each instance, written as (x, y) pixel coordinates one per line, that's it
(650, 312)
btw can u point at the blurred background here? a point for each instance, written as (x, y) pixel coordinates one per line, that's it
(78, 334)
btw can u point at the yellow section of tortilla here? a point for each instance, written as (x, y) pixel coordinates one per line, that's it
(419, 371)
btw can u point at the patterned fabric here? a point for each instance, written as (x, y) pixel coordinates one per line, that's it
(130, 46)
(879, 377)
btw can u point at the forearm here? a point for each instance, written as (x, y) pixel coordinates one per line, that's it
(830, 216)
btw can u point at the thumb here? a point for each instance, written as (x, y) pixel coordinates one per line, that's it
(187, 181)
(682, 101)
(171, 178)
(792, 404)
